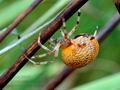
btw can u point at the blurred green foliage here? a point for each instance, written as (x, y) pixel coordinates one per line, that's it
(107, 83)
(33, 77)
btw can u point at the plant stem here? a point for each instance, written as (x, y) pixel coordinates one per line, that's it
(117, 4)
(19, 19)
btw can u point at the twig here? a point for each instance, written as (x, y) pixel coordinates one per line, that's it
(59, 79)
(117, 4)
(108, 28)
(19, 19)
(48, 32)
(101, 37)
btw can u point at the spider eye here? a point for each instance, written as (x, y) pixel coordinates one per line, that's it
(82, 34)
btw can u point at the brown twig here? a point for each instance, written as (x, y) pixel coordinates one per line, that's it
(103, 34)
(101, 37)
(117, 4)
(19, 19)
(48, 32)
(59, 79)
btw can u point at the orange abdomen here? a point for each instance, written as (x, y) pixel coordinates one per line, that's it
(75, 56)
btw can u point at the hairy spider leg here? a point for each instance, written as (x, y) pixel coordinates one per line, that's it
(47, 49)
(42, 46)
(76, 25)
(50, 52)
(64, 31)
(64, 26)
(95, 33)
(38, 63)
(52, 42)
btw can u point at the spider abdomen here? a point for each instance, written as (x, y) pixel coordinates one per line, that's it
(76, 56)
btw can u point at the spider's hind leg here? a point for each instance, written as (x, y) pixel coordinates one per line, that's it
(49, 52)
(95, 33)
(52, 42)
(56, 47)
(41, 45)
(38, 56)
(53, 52)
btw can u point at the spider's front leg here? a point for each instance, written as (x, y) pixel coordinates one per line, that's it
(64, 31)
(66, 35)
(76, 25)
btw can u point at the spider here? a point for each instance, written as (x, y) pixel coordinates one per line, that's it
(76, 52)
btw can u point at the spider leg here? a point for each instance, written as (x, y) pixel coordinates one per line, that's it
(47, 49)
(50, 52)
(95, 33)
(42, 46)
(52, 42)
(40, 56)
(64, 26)
(77, 23)
(64, 31)
(56, 49)
(54, 52)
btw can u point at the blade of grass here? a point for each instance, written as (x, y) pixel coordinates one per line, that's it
(11, 11)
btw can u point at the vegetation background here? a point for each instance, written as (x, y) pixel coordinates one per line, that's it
(102, 74)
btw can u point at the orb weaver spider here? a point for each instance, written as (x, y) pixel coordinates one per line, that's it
(76, 52)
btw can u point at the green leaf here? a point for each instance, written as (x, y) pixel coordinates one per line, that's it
(10, 12)
(108, 83)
